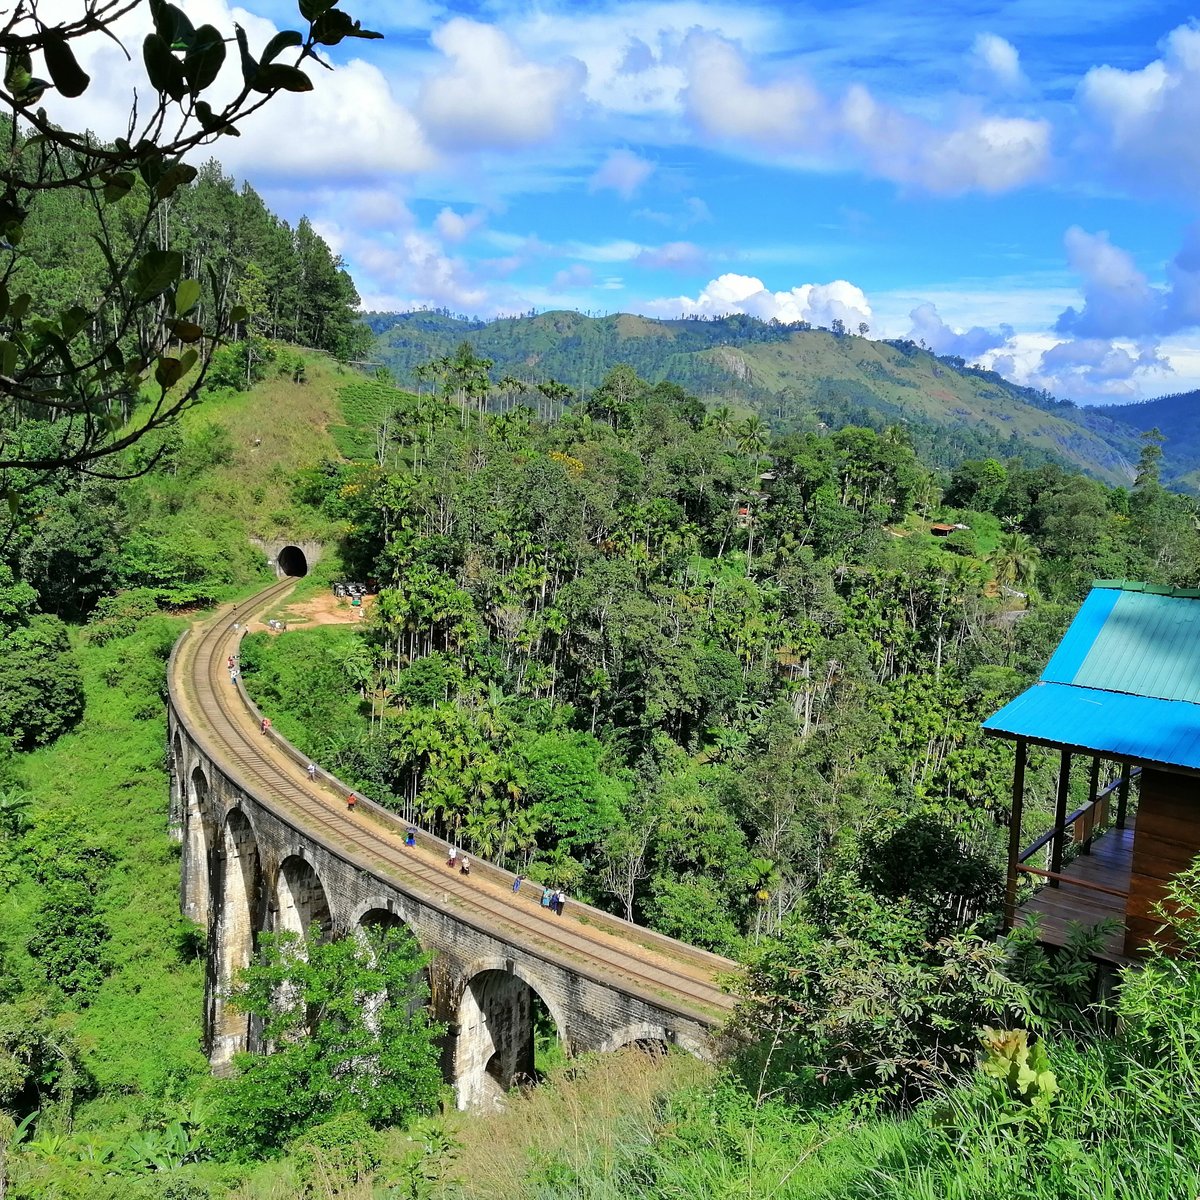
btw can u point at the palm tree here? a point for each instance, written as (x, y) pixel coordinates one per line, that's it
(721, 422)
(753, 437)
(14, 811)
(1015, 561)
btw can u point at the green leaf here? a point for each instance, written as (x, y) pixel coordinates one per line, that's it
(18, 71)
(204, 59)
(310, 10)
(163, 68)
(187, 296)
(74, 319)
(156, 271)
(33, 93)
(168, 372)
(279, 76)
(185, 331)
(237, 314)
(175, 178)
(332, 26)
(279, 43)
(117, 185)
(8, 359)
(249, 66)
(20, 306)
(172, 25)
(211, 122)
(70, 79)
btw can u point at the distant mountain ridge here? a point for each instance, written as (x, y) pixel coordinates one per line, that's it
(1177, 418)
(795, 376)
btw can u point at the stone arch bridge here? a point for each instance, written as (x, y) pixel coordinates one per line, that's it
(266, 849)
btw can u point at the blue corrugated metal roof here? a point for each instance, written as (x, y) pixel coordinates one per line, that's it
(1125, 680)
(1137, 727)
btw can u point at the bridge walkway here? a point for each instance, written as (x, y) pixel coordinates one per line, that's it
(586, 940)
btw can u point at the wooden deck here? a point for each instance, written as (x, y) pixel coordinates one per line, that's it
(1107, 865)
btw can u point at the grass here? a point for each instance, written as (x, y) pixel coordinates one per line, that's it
(574, 1123)
(108, 781)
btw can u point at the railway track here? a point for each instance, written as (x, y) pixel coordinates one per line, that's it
(659, 970)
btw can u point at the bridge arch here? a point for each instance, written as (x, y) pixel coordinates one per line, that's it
(495, 1019)
(378, 909)
(238, 898)
(380, 915)
(301, 899)
(176, 772)
(199, 836)
(640, 1033)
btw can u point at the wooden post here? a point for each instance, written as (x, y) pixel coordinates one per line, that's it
(1123, 796)
(1089, 824)
(1014, 834)
(1060, 816)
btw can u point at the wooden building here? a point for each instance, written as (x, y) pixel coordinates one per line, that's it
(1122, 694)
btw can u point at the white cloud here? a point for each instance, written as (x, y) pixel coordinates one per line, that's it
(997, 58)
(819, 304)
(1120, 301)
(457, 227)
(724, 102)
(979, 153)
(617, 251)
(694, 212)
(351, 126)
(928, 327)
(1144, 121)
(672, 256)
(491, 95)
(1095, 368)
(572, 277)
(967, 151)
(622, 172)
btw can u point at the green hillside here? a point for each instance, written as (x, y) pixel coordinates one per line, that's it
(796, 377)
(1177, 418)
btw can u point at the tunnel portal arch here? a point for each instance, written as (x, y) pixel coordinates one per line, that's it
(292, 562)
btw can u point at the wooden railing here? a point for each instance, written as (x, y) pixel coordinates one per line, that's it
(1085, 822)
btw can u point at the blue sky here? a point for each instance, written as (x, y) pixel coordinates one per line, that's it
(1015, 182)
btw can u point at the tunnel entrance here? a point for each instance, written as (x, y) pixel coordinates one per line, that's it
(292, 562)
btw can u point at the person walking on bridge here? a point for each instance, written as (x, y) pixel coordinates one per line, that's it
(453, 857)
(351, 801)
(560, 901)
(312, 772)
(264, 725)
(465, 869)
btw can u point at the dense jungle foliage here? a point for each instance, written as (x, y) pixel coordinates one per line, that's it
(649, 654)
(796, 377)
(725, 683)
